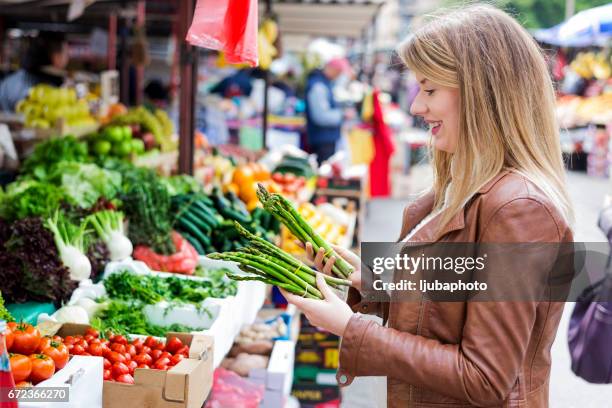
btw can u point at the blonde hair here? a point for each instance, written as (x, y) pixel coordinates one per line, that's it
(507, 102)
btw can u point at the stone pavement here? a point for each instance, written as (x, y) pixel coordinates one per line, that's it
(566, 390)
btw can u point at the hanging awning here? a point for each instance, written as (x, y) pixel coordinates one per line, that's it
(324, 18)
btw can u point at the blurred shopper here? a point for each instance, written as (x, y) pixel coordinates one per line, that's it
(498, 177)
(323, 115)
(43, 63)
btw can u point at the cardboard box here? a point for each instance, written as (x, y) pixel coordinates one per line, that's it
(82, 378)
(185, 385)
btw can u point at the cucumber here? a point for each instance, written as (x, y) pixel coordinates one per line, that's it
(192, 229)
(210, 222)
(193, 241)
(198, 222)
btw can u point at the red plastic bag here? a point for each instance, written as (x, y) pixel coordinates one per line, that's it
(230, 390)
(184, 260)
(228, 26)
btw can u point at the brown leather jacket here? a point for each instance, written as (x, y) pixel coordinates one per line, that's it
(464, 354)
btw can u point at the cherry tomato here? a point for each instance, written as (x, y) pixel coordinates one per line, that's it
(184, 351)
(131, 349)
(165, 354)
(143, 366)
(68, 340)
(160, 346)
(43, 368)
(128, 356)
(177, 358)
(86, 353)
(143, 358)
(173, 344)
(155, 354)
(146, 349)
(25, 339)
(125, 378)
(92, 332)
(150, 342)
(88, 338)
(21, 367)
(107, 375)
(132, 366)
(139, 344)
(58, 353)
(120, 339)
(119, 348)
(107, 364)
(118, 369)
(96, 349)
(78, 350)
(83, 343)
(115, 357)
(162, 363)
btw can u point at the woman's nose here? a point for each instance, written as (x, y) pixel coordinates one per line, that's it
(418, 108)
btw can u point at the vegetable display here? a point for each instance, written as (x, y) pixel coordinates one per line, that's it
(286, 213)
(265, 262)
(46, 156)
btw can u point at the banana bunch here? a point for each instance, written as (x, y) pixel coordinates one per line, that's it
(267, 35)
(592, 65)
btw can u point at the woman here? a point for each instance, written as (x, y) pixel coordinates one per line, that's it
(498, 177)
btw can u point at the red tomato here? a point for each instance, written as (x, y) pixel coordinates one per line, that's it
(68, 340)
(96, 349)
(176, 359)
(184, 351)
(146, 349)
(155, 354)
(25, 339)
(8, 338)
(128, 356)
(115, 357)
(173, 344)
(119, 348)
(139, 344)
(43, 368)
(107, 364)
(107, 375)
(21, 367)
(119, 369)
(150, 342)
(160, 346)
(78, 350)
(165, 354)
(132, 366)
(143, 358)
(125, 378)
(83, 343)
(58, 353)
(86, 353)
(131, 349)
(143, 366)
(88, 338)
(46, 342)
(92, 332)
(162, 363)
(120, 339)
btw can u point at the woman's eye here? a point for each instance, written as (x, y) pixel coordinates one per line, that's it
(429, 91)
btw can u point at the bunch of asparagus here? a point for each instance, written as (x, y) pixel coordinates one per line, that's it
(286, 213)
(265, 262)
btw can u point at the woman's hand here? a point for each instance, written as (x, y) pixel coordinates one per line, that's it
(330, 314)
(326, 268)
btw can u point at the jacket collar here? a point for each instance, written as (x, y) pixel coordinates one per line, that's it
(422, 206)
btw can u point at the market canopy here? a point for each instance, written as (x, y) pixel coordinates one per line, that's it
(333, 18)
(587, 28)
